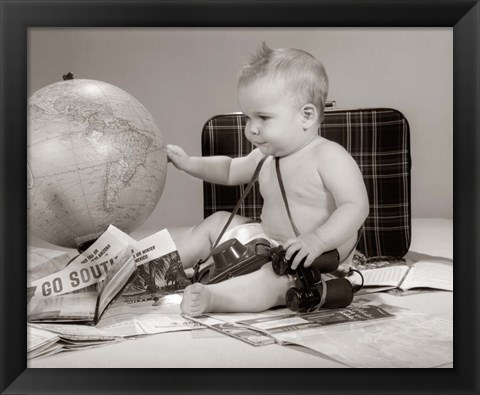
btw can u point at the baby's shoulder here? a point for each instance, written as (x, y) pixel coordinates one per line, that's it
(325, 149)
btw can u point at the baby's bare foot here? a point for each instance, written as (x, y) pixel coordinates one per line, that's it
(196, 300)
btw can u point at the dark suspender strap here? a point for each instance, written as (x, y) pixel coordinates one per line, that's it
(284, 196)
(196, 267)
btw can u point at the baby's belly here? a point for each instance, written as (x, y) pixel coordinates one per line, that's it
(277, 226)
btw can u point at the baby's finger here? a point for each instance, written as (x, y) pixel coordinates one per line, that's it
(288, 243)
(290, 249)
(172, 149)
(308, 261)
(298, 258)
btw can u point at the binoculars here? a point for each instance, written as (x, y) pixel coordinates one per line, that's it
(311, 292)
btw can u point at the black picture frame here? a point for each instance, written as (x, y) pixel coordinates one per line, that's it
(18, 15)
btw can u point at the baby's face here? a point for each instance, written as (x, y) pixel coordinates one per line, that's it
(274, 122)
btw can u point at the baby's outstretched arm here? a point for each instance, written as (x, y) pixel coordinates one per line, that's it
(212, 168)
(215, 169)
(342, 177)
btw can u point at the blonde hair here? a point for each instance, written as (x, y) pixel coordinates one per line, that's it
(304, 76)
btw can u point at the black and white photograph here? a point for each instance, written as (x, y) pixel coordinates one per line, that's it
(237, 197)
(145, 129)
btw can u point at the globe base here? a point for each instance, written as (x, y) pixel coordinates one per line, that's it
(85, 245)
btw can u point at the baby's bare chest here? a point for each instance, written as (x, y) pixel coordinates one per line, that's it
(309, 201)
(301, 181)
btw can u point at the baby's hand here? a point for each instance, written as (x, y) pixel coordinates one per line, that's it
(308, 245)
(177, 156)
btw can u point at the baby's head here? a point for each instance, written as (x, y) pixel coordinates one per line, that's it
(304, 77)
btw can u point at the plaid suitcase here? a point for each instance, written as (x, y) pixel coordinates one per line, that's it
(378, 139)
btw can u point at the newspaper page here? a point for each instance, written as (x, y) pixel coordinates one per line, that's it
(317, 319)
(152, 264)
(127, 317)
(388, 276)
(74, 332)
(42, 262)
(437, 274)
(39, 340)
(79, 307)
(229, 324)
(70, 294)
(148, 303)
(154, 270)
(372, 333)
(121, 320)
(86, 269)
(261, 329)
(406, 340)
(238, 331)
(432, 274)
(115, 279)
(66, 337)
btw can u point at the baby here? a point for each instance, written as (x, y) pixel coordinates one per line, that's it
(282, 92)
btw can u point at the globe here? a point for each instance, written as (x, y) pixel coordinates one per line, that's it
(95, 157)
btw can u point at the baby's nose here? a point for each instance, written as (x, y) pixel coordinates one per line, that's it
(253, 129)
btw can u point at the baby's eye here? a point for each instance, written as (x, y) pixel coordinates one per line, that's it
(264, 117)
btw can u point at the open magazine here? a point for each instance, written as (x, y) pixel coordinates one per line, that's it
(260, 329)
(375, 331)
(435, 274)
(115, 264)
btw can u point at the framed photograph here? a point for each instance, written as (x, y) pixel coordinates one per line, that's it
(31, 41)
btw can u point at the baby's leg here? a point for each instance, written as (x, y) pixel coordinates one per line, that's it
(253, 292)
(196, 300)
(195, 242)
(346, 252)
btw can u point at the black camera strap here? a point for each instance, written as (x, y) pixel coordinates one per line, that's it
(284, 196)
(196, 267)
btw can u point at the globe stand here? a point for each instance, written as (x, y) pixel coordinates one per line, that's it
(81, 249)
(85, 245)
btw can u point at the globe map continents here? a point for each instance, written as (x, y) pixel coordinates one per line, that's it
(95, 157)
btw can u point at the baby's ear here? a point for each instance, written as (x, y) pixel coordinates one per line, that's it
(309, 115)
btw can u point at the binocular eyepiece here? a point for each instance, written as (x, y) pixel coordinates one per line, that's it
(310, 291)
(326, 263)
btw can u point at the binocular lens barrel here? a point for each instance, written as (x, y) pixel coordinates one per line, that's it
(299, 300)
(339, 294)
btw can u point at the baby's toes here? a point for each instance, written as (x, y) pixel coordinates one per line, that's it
(196, 289)
(195, 311)
(186, 307)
